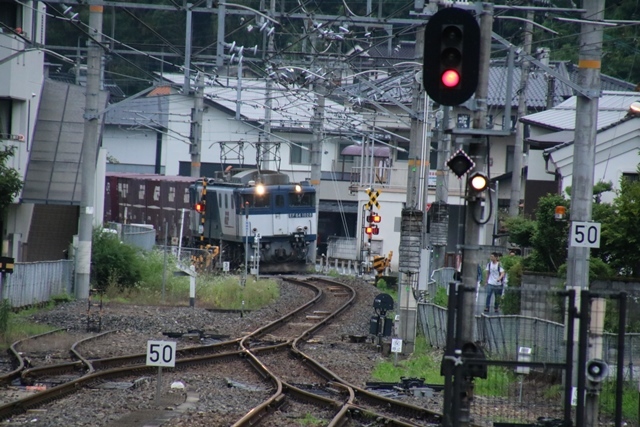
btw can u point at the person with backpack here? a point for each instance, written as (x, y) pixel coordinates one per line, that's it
(495, 281)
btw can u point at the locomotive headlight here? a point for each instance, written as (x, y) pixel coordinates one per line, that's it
(298, 188)
(260, 189)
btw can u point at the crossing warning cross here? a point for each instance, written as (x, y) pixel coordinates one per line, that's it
(373, 199)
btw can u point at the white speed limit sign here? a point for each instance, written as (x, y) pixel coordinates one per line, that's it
(161, 353)
(585, 234)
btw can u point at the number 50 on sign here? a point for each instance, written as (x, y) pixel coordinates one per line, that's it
(161, 353)
(585, 234)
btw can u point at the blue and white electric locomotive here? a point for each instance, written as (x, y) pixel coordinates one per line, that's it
(258, 211)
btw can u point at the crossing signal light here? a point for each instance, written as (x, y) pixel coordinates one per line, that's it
(477, 183)
(451, 56)
(375, 218)
(200, 207)
(375, 229)
(369, 230)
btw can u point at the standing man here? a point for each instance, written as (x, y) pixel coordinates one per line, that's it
(495, 277)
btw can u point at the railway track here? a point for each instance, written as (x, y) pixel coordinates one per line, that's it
(283, 374)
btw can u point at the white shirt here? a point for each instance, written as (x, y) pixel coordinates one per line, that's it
(493, 273)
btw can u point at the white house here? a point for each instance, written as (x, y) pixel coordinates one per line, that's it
(617, 140)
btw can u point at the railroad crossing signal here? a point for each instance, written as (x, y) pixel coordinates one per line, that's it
(460, 163)
(373, 199)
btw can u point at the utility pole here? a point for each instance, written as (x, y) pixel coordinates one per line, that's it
(316, 151)
(89, 153)
(268, 105)
(440, 209)
(516, 175)
(187, 52)
(413, 220)
(196, 127)
(584, 148)
(478, 152)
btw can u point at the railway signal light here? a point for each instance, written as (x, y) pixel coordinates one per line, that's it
(477, 183)
(200, 207)
(375, 229)
(375, 218)
(369, 230)
(451, 56)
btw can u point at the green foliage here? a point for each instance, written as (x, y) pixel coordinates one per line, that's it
(620, 232)
(510, 302)
(5, 313)
(226, 292)
(18, 326)
(113, 262)
(441, 298)
(497, 383)
(423, 363)
(550, 239)
(10, 183)
(521, 230)
(629, 400)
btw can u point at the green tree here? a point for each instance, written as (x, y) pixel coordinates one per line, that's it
(550, 238)
(10, 182)
(620, 232)
(113, 262)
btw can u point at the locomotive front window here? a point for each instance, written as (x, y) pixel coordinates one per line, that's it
(279, 201)
(261, 200)
(301, 199)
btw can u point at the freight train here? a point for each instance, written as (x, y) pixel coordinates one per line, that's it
(255, 215)
(236, 210)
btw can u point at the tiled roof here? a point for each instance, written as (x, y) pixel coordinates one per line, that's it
(612, 108)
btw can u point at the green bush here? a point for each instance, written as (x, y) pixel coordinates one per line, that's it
(113, 262)
(5, 313)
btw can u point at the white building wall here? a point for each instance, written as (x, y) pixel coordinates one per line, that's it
(21, 80)
(130, 146)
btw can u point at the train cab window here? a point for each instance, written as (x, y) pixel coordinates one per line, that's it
(279, 201)
(301, 199)
(226, 201)
(261, 201)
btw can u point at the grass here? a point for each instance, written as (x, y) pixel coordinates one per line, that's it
(16, 326)
(630, 398)
(423, 363)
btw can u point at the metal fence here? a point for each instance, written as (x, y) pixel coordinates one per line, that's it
(35, 283)
(501, 336)
(139, 236)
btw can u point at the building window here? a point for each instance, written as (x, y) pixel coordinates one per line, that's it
(10, 14)
(5, 117)
(300, 156)
(509, 160)
(631, 176)
(342, 158)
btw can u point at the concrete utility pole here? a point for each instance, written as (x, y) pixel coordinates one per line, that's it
(89, 154)
(478, 152)
(413, 230)
(516, 175)
(440, 209)
(187, 52)
(584, 148)
(196, 127)
(268, 104)
(316, 154)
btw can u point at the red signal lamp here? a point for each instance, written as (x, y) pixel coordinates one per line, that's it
(368, 230)
(375, 218)
(450, 78)
(200, 207)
